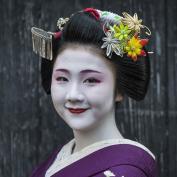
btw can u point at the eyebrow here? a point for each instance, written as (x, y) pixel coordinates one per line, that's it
(82, 72)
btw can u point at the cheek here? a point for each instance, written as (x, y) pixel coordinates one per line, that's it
(101, 94)
(54, 87)
(57, 99)
(57, 93)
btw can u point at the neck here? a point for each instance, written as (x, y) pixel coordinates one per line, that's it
(106, 129)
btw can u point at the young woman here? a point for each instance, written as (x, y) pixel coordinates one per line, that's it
(94, 59)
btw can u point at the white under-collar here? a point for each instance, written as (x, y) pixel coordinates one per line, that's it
(65, 158)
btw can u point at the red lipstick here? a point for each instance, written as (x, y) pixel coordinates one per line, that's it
(77, 111)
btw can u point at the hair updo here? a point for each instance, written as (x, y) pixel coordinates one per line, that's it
(82, 28)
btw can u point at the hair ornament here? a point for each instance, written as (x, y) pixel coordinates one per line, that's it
(110, 43)
(106, 16)
(93, 11)
(61, 22)
(42, 42)
(123, 35)
(134, 23)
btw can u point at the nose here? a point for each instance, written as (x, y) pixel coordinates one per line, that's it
(74, 94)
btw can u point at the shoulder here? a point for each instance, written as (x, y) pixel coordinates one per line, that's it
(133, 159)
(126, 144)
(40, 170)
(138, 145)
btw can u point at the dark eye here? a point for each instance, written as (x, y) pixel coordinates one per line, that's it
(92, 80)
(62, 79)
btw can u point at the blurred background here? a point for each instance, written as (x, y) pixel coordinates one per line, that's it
(30, 129)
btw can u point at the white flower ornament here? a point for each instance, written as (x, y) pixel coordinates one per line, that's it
(112, 44)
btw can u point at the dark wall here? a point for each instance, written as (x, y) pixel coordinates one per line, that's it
(29, 126)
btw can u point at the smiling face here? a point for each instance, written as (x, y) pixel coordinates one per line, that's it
(82, 88)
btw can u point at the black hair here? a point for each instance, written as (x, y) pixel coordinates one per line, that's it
(82, 28)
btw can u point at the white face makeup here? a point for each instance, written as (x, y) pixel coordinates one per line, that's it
(82, 88)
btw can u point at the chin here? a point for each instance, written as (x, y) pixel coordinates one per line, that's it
(81, 127)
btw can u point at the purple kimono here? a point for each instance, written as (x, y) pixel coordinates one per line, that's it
(120, 160)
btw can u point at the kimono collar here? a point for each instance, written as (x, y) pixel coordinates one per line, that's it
(65, 158)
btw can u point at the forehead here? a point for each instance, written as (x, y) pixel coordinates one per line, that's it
(80, 58)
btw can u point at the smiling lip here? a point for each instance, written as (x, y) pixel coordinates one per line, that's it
(77, 111)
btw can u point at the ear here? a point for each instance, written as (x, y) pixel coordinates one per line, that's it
(119, 97)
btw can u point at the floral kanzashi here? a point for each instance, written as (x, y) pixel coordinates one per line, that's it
(112, 44)
(61, 22)
(134, 47)
(123, 37)
(134, 23)
(121, 31)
